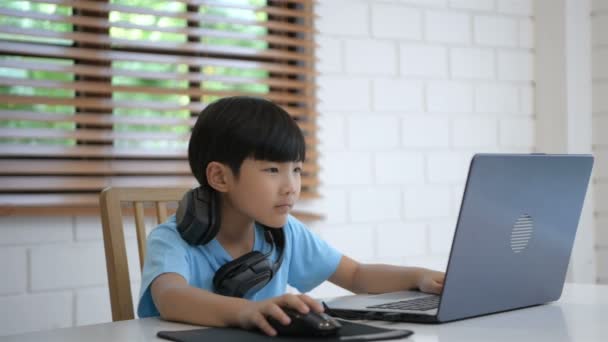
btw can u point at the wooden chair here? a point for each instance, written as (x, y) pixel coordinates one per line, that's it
(111, 204)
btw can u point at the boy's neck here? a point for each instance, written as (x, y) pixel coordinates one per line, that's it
(236, 229)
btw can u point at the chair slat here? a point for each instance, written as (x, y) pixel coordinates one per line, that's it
(116, 256)
(140, 228)
(161, 212)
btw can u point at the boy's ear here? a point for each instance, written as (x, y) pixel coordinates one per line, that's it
(217, 176)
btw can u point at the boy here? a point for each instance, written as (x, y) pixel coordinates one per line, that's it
(250, 152)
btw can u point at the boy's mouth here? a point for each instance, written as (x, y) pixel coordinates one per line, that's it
(284, 206)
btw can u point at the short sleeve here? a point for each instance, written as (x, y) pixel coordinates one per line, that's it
(166, 252)
(312, 259)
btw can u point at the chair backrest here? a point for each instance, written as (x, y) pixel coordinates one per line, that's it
(111, 205)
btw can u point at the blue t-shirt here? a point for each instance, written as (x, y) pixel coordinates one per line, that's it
(307, 261)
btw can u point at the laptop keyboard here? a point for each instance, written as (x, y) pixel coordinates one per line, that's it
(417, 304)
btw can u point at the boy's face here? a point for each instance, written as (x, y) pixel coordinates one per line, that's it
(266, 191)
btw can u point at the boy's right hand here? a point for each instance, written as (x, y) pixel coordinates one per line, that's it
(254, 314)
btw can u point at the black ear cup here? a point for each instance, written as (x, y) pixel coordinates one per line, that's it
(252, 271)
(206, 205)
(233, 278)
(197, 217)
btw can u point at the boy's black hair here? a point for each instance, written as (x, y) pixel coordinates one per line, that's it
(233, 129)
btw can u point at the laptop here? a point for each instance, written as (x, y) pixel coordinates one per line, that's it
(511, 247)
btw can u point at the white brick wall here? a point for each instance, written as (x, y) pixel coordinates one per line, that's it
(447, 27)
(479, 133)
(55, 272)
(515, 66)
(600, 102)
(343, 93)
(13, 267)
(397, 95)
(472, 63)
(408, 90)
(497, 98)
(422, 131)
(423, 60)
(447, 167)
(449, 97)
(521, 7)
(370, 57)
(481, 5)
(399, 167)
(395, 21)
(599, 37)
(496, 31)
(386, 202)
(373, 132)
(36, 311)
(444, 79)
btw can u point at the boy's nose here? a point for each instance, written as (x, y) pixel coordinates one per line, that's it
(290, 185)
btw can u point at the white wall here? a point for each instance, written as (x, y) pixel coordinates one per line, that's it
(599, 20)
(408, 91)
(54, 274)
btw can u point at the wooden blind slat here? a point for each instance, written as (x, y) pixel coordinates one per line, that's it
(109, 55)
(104, 167)
(83, 204)
(195, 32)
(67, 199)
(48, 200)
(95, 119)
(89, 134)
(95, 87)
(93, 167)
(223, 4)
(100, 103)
(94, 183)
(106, 7)
(266, 9)
(90, 183)
(157, 46)
(300, 84)
(84, 151)
(100, 135)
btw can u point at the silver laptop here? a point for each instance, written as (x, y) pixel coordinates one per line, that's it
(512, 244)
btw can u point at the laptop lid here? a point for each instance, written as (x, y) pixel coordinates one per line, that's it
(515, 232)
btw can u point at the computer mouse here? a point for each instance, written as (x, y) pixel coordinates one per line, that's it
(308, 324)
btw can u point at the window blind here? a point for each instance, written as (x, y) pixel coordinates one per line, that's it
(104, 93)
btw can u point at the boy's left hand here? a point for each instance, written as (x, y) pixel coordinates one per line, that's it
(431, 281)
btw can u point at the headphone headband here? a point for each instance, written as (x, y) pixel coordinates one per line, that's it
(198, 220)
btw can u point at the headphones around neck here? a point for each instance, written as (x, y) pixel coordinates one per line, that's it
(198, 220)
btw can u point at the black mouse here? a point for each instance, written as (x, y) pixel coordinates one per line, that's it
(308, 324)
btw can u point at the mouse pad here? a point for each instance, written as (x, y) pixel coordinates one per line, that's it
(350, 331)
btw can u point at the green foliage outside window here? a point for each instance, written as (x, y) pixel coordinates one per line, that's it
(35, 74)
(147, 34)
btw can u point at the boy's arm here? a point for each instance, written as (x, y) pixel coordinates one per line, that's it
(378, 278)
(178, 301)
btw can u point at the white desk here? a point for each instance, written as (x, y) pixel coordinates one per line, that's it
(580, 315)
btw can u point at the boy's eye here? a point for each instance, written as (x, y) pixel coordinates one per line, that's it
(297, 170)
(272, 169)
